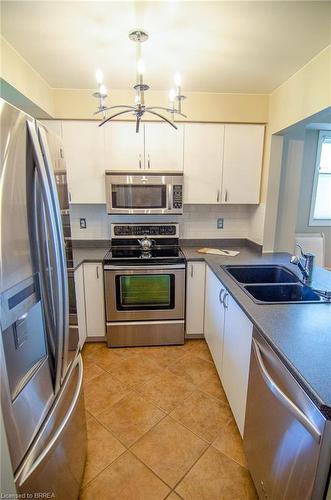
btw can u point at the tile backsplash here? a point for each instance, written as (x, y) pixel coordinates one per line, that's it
(197, 221)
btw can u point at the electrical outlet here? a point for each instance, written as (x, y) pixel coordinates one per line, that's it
(220, 223)
(82, 223)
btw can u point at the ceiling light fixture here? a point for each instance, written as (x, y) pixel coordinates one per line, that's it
(139, 108)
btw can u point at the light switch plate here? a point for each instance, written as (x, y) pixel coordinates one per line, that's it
(220, 223)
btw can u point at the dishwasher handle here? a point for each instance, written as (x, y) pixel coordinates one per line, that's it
(281, 396)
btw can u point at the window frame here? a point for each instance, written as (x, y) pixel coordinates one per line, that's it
(313, 221)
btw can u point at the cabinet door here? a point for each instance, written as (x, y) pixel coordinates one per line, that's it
(84, 152)
(203, 157)
(236, 357)
(195, 298)
(80, 304)
(163, 146)
(242, 163)
(124, 148)
(53, 125)
(214, 318)
(94, 300)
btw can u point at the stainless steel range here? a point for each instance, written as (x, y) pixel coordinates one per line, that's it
(144, 286)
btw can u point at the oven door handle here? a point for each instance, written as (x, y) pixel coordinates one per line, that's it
(155, 267)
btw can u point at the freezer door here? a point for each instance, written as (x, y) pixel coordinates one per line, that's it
(55, 463)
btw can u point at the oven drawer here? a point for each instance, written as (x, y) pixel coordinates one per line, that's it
(140, 294)
(149, 333)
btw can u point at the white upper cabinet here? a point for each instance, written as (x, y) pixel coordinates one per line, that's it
(242, 163)
(124, 148)
(203, 156)
(163, 146)
(53, 125)
(84, 154)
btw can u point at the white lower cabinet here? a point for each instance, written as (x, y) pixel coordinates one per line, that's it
(214, 318)
(195, 298)
(80, 304)
(237, 340)
(94, 300)
(228, 333)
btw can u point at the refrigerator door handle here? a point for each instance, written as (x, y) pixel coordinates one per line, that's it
(58, 265)
(56, 210)
(30, 468)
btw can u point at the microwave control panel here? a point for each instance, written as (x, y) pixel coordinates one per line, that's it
(177, 196)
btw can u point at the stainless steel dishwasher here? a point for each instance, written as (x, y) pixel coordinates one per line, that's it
(287, 440)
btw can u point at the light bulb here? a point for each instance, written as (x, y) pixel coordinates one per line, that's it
(177, 79)
(99, 76)
(102, 90)
(140, 67)
(172, 95)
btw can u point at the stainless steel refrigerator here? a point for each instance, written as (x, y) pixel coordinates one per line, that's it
(41, 367)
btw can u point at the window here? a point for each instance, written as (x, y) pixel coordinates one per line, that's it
(320, 210)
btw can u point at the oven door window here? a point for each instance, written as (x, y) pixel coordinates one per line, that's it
(139, 196)
(145, 291)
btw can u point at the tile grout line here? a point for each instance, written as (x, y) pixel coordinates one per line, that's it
(166, 414)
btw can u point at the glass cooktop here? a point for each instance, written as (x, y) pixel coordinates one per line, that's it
(130, 255)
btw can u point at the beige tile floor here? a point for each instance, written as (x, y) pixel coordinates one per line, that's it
(159, 426)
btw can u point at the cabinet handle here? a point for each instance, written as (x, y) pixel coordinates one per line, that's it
(139, 161)
(226, 195)
(226, 301)
(218, 196)
(148, 162)
(192, 271)
(97, 269)
(220, 295)
(69, 196)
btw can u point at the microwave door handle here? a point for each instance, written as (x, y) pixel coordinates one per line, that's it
(169, 196)
(281, 396)
(49, 209)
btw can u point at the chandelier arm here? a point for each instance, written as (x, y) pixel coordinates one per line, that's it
(160, 116)
(113, 107)
(170, 110)
(159, 107)
(113, 116)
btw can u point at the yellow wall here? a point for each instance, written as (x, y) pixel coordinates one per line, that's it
(306, 93)
(18, 73)
(199, 106)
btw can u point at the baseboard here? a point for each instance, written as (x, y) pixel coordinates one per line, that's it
(190, 337)
(95, 339)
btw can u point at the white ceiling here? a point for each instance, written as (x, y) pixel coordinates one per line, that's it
(249, 47)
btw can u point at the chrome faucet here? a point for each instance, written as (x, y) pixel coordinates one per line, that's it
(306, 267)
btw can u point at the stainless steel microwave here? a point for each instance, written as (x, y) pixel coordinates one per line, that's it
(138, 193)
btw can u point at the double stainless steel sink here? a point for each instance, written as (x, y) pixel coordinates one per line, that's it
(272, 284)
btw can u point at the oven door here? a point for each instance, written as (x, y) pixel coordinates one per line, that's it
(135, 293)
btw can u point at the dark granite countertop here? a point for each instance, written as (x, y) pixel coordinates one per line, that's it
(89, 251)
(299, 333)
